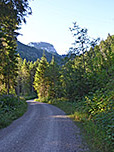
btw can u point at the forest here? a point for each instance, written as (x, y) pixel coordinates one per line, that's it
(83, 86)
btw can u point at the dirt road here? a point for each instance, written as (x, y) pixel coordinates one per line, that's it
(43, 128)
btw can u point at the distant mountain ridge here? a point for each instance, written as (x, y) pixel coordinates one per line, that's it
(30, 53)
(44, 46)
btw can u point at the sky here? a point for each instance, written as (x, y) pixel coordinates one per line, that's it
(51, 20)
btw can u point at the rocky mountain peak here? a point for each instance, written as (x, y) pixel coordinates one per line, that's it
(44, 46)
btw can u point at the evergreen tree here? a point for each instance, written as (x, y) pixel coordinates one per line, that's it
(32, 69)
(8, 63)
(18, 88)
(41, 83)
(53, 74)
(12, 12)
(25, 78)
(81, 42)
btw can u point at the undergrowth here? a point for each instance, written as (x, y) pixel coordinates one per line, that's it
(11, 108)
(94, 114)
(98, 135)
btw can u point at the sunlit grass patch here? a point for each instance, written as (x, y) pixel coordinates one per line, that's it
(92, 127)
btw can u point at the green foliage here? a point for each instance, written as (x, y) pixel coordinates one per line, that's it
(47, 80)
(96, 129)
(31, 96)
(12, 13)
(41, 83)
(25, 78)
(88, 88)
(8, 64)
(98, 108)
(53, 76)
(11, 108)
(17, 9)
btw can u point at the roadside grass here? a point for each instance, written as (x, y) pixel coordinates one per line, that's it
(94, 114)
(11, 108)
(94, 135)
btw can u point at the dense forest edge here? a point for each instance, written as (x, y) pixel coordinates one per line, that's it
(12, 14)
(83, 85)
(86, 93)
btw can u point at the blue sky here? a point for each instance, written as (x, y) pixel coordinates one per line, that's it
(51, 20)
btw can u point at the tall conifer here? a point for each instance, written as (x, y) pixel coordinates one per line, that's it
(40, 81)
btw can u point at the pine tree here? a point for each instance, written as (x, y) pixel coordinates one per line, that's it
(25, 78)
(18, 88)
(12, 13)
(40, 81)
(32, 69)
(53, 74)
(8, 62)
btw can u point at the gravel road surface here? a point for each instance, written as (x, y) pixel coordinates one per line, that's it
(43, 128)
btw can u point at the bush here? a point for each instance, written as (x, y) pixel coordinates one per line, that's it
(11, 108)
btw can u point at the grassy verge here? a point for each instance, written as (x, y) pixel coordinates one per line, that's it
(94, 114)
(11, 108)
(95, 135)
